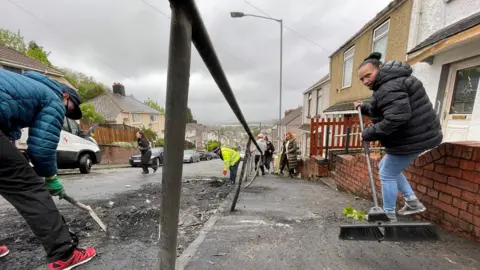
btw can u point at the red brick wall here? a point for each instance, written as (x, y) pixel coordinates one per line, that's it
(116, 154)
(446, 179)
(312, 168)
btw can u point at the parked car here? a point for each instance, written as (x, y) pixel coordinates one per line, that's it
(157, 156)
(203, 154)
(211, 155)
(191, 156)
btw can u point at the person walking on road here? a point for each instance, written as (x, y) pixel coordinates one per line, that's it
(231, 160)
(269, 154)
(404, 122)
(291, 153)
(259, 155)
(146, 153)
(32, 100)
(283, 156)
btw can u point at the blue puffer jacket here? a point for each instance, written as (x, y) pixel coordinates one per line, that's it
(35, 101)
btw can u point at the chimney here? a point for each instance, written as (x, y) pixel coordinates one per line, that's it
(119, 89)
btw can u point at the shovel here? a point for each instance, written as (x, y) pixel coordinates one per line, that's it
(87, 209)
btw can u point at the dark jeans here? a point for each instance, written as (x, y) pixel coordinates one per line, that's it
(233, 172)
(257, 160)
(284, 163)
(145, 159)
(268, 160)
(28, 193)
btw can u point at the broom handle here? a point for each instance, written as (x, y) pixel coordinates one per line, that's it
(367, 154)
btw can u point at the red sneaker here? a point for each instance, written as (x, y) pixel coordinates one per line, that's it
(4, 251)
(79, 257)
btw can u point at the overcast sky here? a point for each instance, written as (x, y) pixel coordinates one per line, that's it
(127, 41)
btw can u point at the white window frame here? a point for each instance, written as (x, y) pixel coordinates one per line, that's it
(375, 39)
(139, 118)
(345, 59)
(155, 118)
(309, 107)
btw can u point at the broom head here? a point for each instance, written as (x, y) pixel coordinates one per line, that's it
(410, 231)
(360, 232)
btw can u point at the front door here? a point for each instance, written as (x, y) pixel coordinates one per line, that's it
(461, 118)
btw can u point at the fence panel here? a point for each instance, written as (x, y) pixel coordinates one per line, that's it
(105, 135)
(330, 133)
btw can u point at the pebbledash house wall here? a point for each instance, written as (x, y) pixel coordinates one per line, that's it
(446, 179)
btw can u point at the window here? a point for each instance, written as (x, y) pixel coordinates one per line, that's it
(319, 102)
(65, 125)
(348, 67)
(136, 118)
(380, 38)
(465, 90)
(309, 104)
(153, 118)
(73, 126)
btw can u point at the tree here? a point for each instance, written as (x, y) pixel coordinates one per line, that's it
(13, 40)
(189, 145)
(190, 116)
(159, 142)
(149, 134)
(255, 131)
(154, 105)
(89, 113)
(87, 87)
(37, 52)
(212, 145)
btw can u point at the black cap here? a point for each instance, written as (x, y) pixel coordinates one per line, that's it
(216, 149)
(76, 114)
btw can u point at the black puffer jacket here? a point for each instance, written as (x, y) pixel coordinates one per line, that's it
(404, 119)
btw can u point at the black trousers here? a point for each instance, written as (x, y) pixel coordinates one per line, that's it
(258, 159)
(268, 160)
(284, 162)
(28, 193)
(145, 159)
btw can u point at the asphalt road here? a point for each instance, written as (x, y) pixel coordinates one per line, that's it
(103, 184)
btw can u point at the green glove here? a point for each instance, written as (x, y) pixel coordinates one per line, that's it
(55, 187)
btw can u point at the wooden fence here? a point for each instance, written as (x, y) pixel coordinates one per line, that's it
(109, 135)
(336, 133)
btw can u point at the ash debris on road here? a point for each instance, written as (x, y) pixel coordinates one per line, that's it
(129, 216)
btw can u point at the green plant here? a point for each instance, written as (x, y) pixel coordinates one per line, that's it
(350, 212)
(125, 144)
(159, 143)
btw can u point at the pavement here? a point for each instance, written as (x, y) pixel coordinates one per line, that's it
(285, 223)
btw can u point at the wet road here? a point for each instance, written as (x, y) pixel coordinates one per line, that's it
(105, 183)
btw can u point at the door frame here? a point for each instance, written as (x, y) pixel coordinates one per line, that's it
(454, 67)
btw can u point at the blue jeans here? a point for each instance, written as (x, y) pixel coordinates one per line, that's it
(393, 180)
(233, 172)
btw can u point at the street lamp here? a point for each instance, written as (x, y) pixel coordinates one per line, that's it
(240, 15)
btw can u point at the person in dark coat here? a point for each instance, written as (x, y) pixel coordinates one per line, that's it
(269, 154)
(291, 153)
(34, 101)
(145, 151)
(405, 123)
(283, 156)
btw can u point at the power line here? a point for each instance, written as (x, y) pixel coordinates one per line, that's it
(288, 27)
(226, 52)
(56, 31)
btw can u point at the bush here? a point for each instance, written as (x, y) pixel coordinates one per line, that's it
(125, 144)
(159, 143)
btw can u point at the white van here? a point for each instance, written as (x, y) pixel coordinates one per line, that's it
(75, 148)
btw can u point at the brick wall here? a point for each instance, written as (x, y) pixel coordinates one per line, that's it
(446, 179)
(115, 154)
(312, 168)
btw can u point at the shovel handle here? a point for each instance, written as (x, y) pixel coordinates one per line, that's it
(75, 202)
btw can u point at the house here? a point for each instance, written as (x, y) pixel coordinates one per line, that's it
(117, 108)
(18, 62)
(315, 100)
(444, 52)
(196, 134)
(387, 33)
(290, 123)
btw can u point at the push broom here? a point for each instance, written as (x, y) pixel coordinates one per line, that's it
(377, 218)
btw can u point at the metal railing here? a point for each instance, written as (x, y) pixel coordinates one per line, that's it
(186, 26)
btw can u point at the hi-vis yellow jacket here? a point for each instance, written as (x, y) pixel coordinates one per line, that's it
(230, 157)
